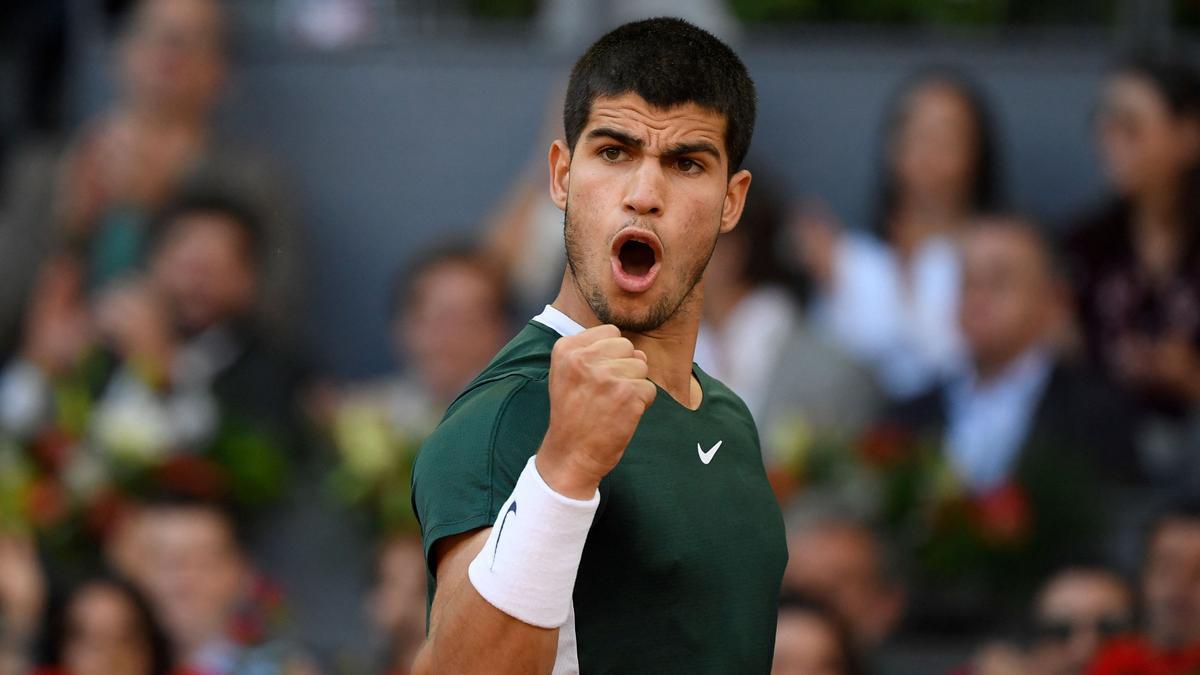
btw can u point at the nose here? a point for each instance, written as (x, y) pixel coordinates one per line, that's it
(644, 193)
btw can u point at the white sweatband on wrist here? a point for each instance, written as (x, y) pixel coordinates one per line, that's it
(527, 567)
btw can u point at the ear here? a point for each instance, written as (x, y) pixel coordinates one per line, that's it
(559, 160)
(735, 200)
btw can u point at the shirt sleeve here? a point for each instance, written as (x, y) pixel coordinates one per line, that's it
(469, 466)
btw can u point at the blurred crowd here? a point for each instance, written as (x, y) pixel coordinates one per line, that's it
(984, 431)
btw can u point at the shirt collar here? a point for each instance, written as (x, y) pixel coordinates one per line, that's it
(1023, 376)
(552, 318)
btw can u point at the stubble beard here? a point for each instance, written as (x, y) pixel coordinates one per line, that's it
(662, 311)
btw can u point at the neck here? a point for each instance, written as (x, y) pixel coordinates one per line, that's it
(917, 220)
(988, 368)
(158, 119)
(669, 348)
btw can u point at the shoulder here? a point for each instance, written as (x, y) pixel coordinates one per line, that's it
(722, 402)
(480, 412)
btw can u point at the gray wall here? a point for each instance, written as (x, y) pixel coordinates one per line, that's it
(391, 150)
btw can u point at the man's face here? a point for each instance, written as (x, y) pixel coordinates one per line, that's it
(646, 192)
(1171, 585)
(1008, 296)
(1075, 614)
(806, 644)
(204, 271)
(453, 326)
(193, 575)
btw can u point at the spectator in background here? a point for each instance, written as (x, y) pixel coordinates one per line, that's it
(186, 364)
(221, 617)
(1169, 642)
(105, 627)
(157, 139)
(811, 640)
(1077, 611)
(1137, 259)
(1019, 417)
(755, 338)
(22, 596)
(450, 314)
(843, 562)
(891, 299)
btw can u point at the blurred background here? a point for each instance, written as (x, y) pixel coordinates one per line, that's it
(250, 251)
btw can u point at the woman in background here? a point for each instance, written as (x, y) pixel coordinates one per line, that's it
(1136, 260)
(105, 627)
(891, 299)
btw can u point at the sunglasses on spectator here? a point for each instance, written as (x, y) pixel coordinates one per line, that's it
(1062, 631)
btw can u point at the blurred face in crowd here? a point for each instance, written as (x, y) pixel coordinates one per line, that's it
(934, 148)
(1171, 584)
(646, 191)
(194, 573)
(1076, 612)
(105, 635)
(173, 59)
(806, 643)
(398, 600)
(205, 270)
(1145, 146)
(1010, 299)
(453, 326)
(840, 564)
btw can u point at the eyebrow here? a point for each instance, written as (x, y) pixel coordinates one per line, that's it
(618, 136)
(703, 147)
(678, 150)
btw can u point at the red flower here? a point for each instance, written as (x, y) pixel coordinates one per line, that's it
(1003, 515)
(193, 476)
(1134, 656)
(105, 511)
(52, 449)
(885, 445)
(46, 503)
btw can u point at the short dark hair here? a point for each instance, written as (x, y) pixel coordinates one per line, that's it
(668, 62)
(177, 500)
(1026, 226)
(232, 208)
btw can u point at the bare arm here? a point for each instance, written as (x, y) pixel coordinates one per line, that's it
(467, 634)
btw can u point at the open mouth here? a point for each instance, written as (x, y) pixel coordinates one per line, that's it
(635, 260)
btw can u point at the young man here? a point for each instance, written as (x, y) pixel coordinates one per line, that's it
(593, 502)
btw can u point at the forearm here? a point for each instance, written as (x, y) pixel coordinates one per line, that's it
(503, 592)
(469, 635)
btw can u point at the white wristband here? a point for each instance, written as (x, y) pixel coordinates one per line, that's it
(527, 567)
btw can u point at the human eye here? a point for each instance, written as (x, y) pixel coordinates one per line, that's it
(612, 153)
(688, 165)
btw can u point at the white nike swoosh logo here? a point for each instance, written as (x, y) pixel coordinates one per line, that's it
(707, 457)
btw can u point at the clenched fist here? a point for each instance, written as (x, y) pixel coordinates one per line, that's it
(598, 393)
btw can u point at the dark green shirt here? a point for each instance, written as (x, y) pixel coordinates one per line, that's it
(682, 566)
